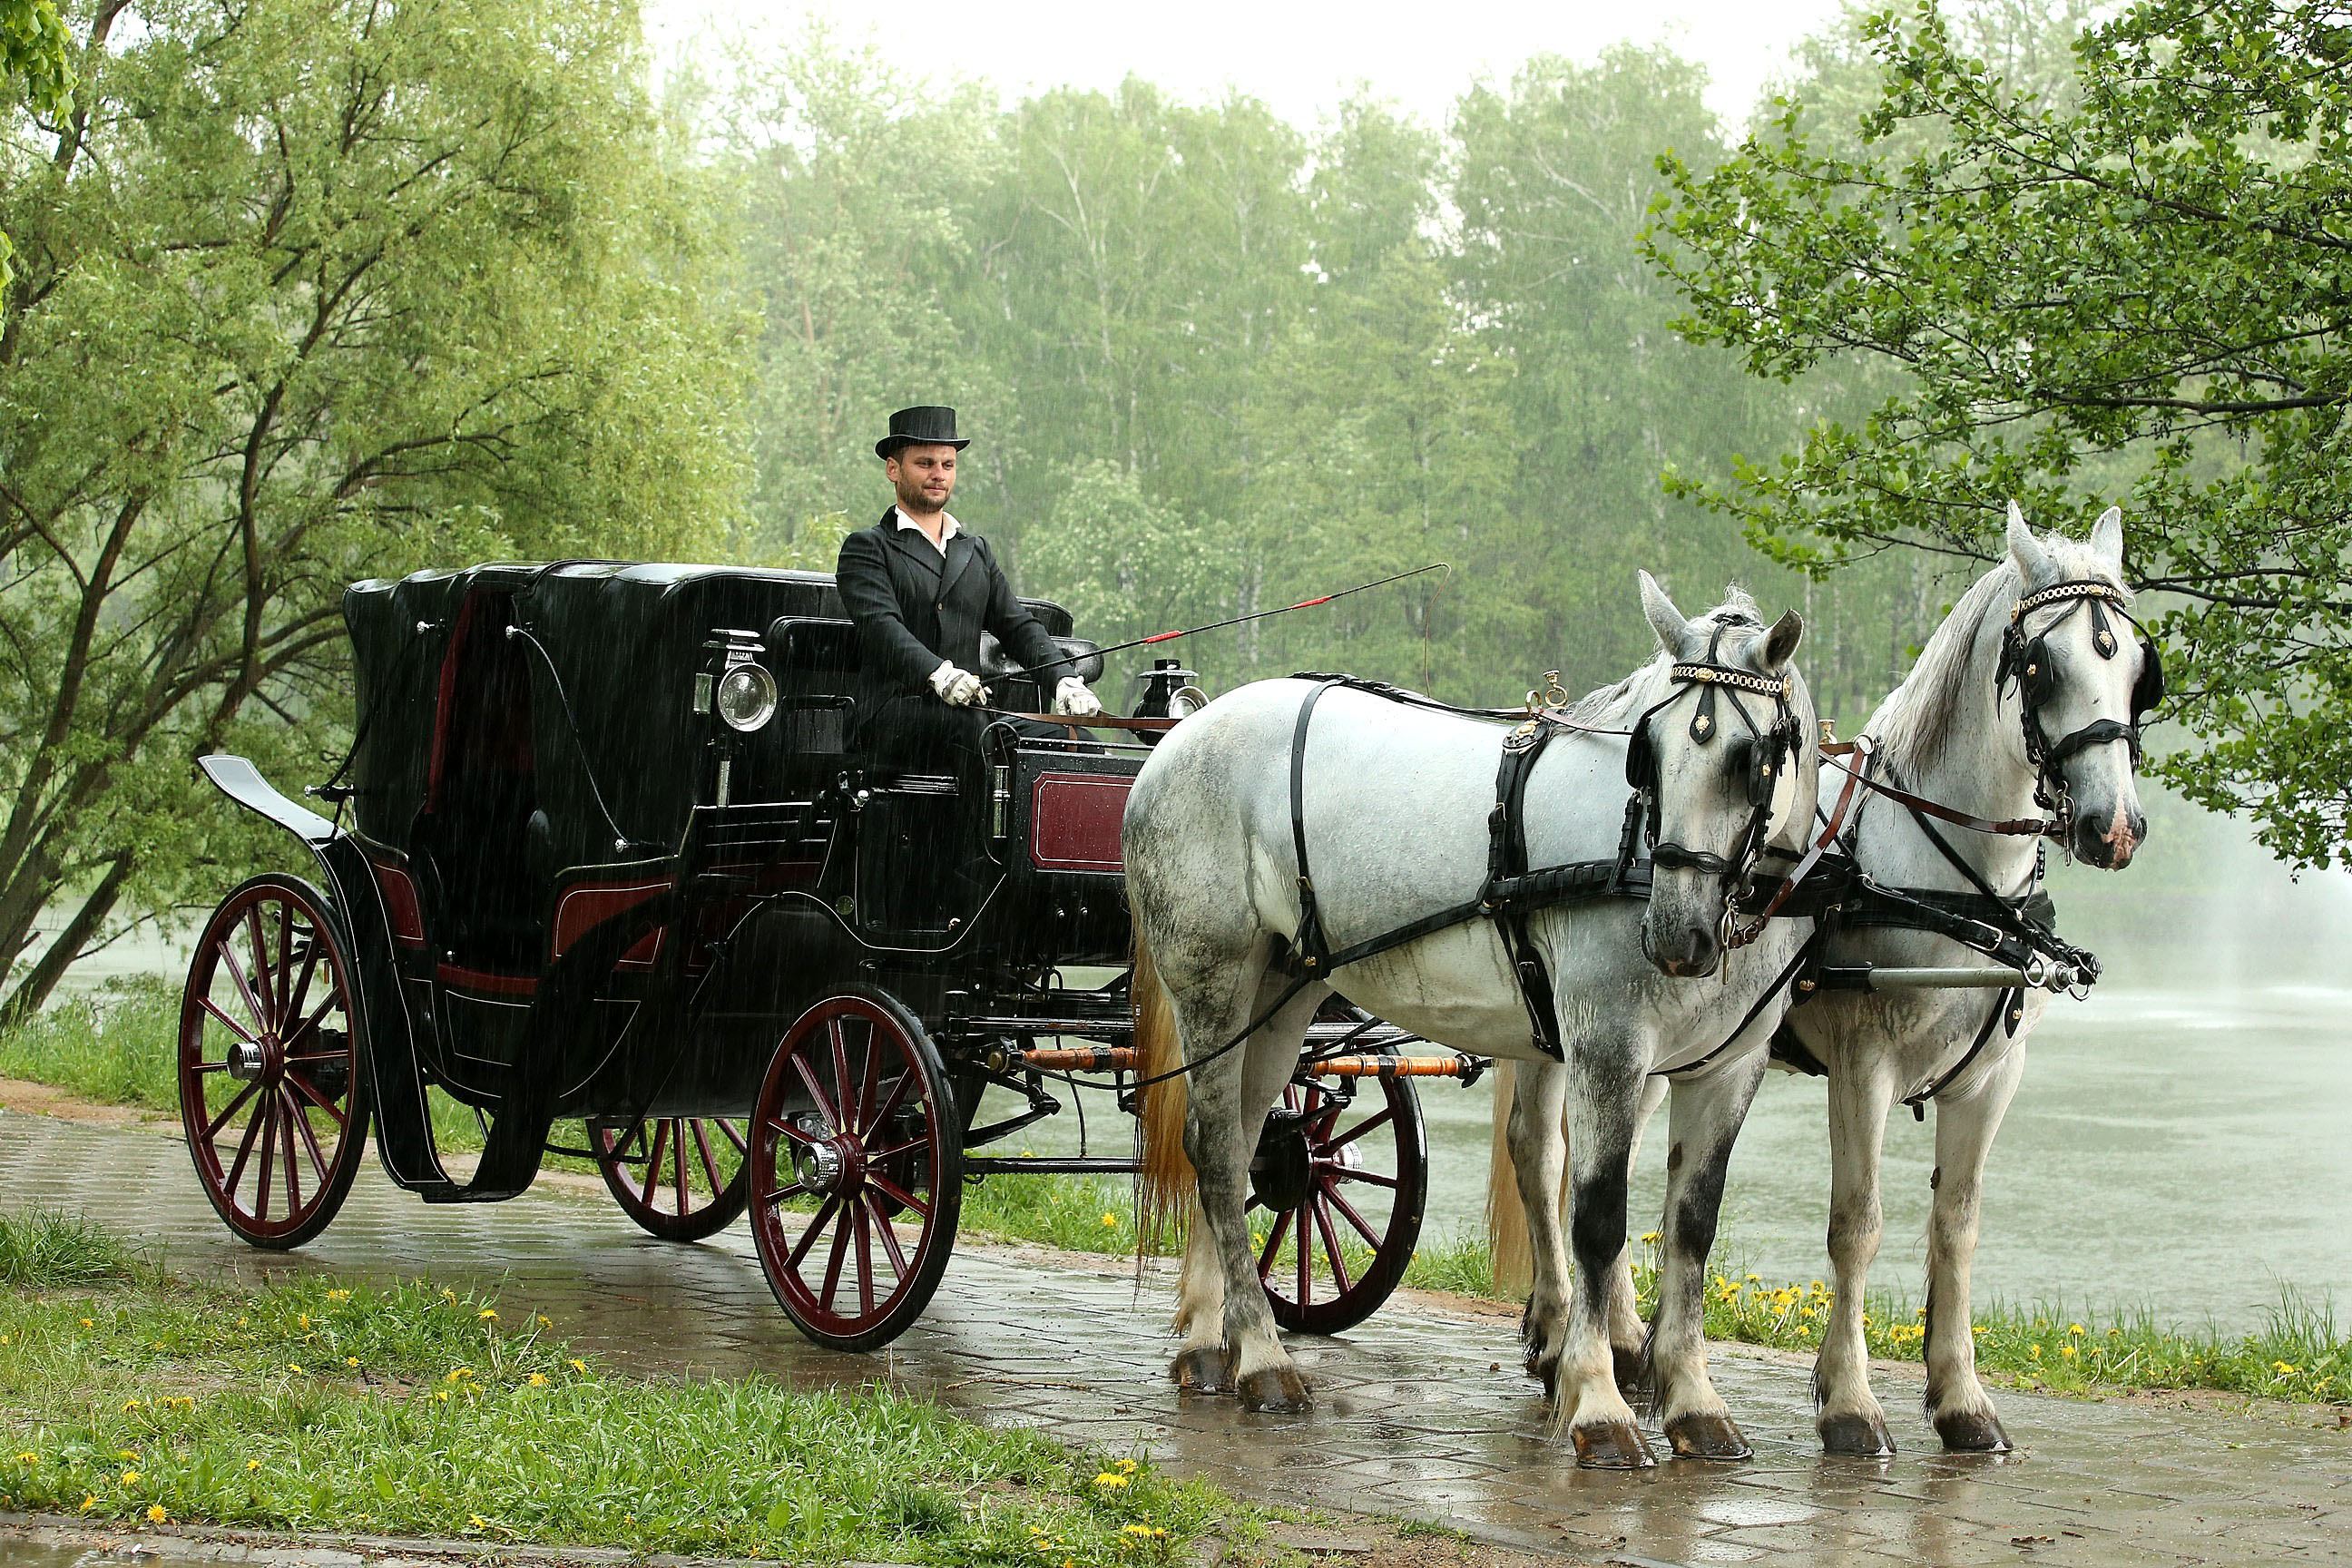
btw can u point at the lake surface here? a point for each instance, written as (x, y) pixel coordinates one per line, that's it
(2182, 1140)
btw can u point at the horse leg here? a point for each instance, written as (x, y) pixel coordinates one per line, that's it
(1225, 1114)
(1850, 1419)
(1706, 1117)
(1539, 1153)
(1956, 1402)
(1202, 1365)
(1627, 1335)
(1605, 1095)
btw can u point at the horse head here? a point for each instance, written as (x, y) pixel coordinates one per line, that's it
(1723, 759)
(2081, 675)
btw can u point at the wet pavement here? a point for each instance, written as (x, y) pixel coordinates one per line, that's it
(1423, 1413)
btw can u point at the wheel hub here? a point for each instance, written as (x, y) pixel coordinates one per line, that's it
(247, 1060)
(834, 1166)
(1284, 1169)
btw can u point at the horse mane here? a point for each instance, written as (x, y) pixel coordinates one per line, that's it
(1616, 699)
(1915, 724)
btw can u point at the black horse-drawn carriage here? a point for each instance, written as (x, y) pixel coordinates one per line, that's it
(604, 856)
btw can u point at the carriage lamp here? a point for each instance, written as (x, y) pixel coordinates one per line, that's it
(747, 697)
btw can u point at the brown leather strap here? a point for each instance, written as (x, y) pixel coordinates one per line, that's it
(2021, 826)
(1821, 846)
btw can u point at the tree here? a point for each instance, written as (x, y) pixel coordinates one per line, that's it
(312, 290)
(35, 50)
(2138, 290)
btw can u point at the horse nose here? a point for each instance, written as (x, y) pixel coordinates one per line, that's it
(1685, 952)
(2111, 846)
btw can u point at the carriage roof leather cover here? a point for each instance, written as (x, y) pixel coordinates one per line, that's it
(627, 640)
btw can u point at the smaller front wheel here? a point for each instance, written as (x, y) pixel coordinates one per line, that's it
(1337, 1186)
(856, 1171)
(679, 1177)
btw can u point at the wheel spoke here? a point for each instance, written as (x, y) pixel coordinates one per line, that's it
(268, 1156)
(798, 1133)
(709, 1165)
(653, 1164)
(871, 1084)
(1361, 1128)
(1371, 1178)
(785, 1193)
(236, 1105)
(282, 975)
(1305, 1243)
(244, 986)
(245, 1149)
(824, 1211)
(897, 1194)
(310, 1093)
(1333, 1197)
(865, 1259)
(677, 1160)
(890, 1108)
(876, 1156)
(264, 987)
(840, 1255)
(816, 1092)
(310, 1023)
(209, 1005)
(293, 1176)
(309, 1138)
(889, 1238)
(1273, 1242)
(300, 991)
(840, 1045)
(743, 1143)
(1331, 1244)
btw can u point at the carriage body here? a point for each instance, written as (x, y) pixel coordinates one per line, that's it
(608, 850)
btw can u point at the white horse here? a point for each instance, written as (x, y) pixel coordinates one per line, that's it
(1393, 804)
(2026, 699)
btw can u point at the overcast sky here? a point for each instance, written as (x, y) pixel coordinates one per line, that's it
(1300, 56)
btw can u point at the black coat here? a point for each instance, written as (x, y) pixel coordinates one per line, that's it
(914, 609)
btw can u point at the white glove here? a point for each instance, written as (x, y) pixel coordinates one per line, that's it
(958, 687)
(1073, 699)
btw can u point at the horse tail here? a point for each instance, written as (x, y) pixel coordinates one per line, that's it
(1164, 1177)
(1508, 1250)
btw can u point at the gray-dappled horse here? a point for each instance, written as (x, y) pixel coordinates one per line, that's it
(2028, 698)
(1393, 806)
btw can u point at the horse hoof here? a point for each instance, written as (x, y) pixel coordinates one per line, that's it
(1862, 1437)
(1612, 1446)
(1628, 1366)
(1275, 1390)
(1203, 1370)
(1705, 1435)
(1972, 1432)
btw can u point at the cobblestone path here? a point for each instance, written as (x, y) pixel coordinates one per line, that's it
(1423, 1413)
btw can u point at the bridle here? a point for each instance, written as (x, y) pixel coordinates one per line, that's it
(1769, 751)
(2027, 661)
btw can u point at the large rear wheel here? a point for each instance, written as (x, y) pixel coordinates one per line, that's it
(273, 1093)
(856, 1171)
(1337, 1192)
(679, 1177)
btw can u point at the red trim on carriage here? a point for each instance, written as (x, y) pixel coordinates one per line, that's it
(401, 909)
(587, 905)
(1073, 820)
(462, 979)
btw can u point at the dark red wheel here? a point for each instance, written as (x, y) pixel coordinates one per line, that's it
(680, 1177)
(272, 1090)
(1336, 1197)
(856, 1171)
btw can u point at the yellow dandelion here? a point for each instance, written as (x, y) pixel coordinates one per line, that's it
(88, 1324)
(1126, 1466)
(87, 1503)
(351, 1361)
(477, 1521)
(486, 1316)
(339, 1295)
(155, 1514)
(2074, 1328)
(458, 1374)
(130, 1406)
(1111, 1479)
(442, 1395)
(576, 1364)
(2034, 1351)
(303, 1318)
(253, 1463)
(1110, 1221)
(127, 1454)
(129, 1477)
(1650, 1237)
(2283, 1369)
(545, 1322)
(28, 1459)
(2066, 1350)
(293, 1366)
(539, 1380)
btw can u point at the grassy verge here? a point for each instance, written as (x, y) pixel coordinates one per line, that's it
(412, 1410)
(114, 1045)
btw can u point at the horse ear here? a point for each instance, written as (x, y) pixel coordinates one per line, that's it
(2032, 560)
(1672, 627)
(1782, 639)
(2107, 538)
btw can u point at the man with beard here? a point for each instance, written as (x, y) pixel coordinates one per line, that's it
(921, 591)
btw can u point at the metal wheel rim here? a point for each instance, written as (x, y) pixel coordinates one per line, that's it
(1306, 1293)
(667, 1173)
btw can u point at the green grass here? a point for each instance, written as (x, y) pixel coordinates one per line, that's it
(42, 1249)
(113, 1045)
(412, 1410)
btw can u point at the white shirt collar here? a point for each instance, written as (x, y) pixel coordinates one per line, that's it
(947, 531)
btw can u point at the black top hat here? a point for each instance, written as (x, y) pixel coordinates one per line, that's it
(926, 426)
